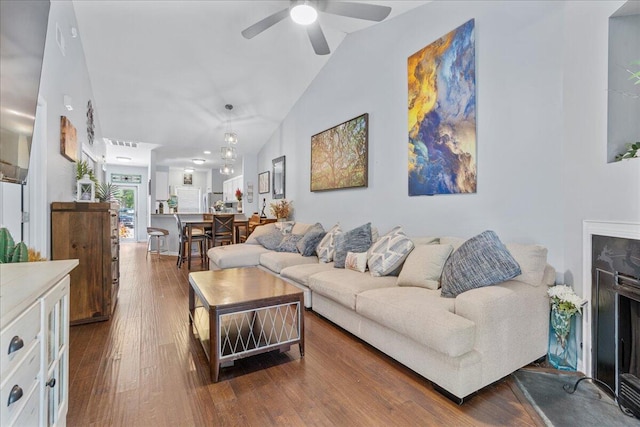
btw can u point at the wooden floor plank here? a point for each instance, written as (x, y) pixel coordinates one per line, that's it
(144, 368)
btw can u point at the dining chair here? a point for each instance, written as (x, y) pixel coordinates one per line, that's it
(222, 230)
(161, 239)
(197, 236)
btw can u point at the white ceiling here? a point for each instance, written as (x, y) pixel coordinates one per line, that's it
(162, 72)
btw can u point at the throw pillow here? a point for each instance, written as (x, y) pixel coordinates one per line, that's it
(481, 261)
(356, 261)
(423, 267)
(389, 252)
(270, 240)
(285, 227)
(310, 239)
(260, 230)
(356, 240)
(289, 243)
(532, 260)
(327, 246)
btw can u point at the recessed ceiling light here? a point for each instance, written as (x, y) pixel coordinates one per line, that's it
(207, 152)
(189, 170)
(123, 159)
(199, 161)
(303, 14)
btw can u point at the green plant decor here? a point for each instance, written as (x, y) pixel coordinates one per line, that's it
(82, 169)
(108, 192)
(10, 251)
(631, 153)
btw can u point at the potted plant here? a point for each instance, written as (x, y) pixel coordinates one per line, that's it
(281, 209)
(565, 304)
(239, 198)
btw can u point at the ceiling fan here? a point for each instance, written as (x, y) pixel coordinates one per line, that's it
(306, 13)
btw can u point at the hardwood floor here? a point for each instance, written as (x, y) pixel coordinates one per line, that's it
(143, 368)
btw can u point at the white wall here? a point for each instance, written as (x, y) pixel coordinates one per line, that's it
(593, 189)
(64, 75)
(519, 94)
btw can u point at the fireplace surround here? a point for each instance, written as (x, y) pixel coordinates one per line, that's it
(611, 331)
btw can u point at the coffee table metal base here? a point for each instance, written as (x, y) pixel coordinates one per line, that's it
(242, 328)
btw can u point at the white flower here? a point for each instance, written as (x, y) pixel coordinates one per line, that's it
(563, 298)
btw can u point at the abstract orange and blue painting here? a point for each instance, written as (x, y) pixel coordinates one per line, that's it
(442, 115)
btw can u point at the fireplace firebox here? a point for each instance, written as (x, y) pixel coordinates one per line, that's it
(616, 317)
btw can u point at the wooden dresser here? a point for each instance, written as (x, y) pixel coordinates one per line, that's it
(88, 232)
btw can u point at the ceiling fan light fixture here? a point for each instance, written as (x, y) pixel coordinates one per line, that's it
(303, 14)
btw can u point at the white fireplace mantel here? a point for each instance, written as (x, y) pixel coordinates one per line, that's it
(628, 230)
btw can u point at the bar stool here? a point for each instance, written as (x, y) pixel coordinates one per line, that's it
(158, 233)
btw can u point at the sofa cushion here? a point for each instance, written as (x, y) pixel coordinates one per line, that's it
(481, 261)
(388, 253)
(231, 256)
(423, 267)
(327, 247)
(421, 315)
(342, 286)
(289, 243)
(301, 227)
(271, 240)
(314, 234)
(259, 231)
(456, 242)
(276, 261)
(532, 260)
(356, 240)
(425, 240)
(302, 272)
(356, 261)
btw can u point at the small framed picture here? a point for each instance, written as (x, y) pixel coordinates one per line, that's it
(264, 179)
(187, 179)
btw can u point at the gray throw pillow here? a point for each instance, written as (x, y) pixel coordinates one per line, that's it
(356, 240)
(310, 239)
(289, 243)
(270, 240)
(481, 261)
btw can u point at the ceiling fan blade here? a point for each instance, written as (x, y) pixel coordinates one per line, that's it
(264, 24)
(318, 41)
(370, 12)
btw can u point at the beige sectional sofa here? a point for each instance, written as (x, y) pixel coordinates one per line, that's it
(460, 344)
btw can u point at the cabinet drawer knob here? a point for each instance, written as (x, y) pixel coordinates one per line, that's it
(15, 344)
(15, 394)
(51, 383)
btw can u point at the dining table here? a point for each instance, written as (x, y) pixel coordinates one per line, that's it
(239, 222)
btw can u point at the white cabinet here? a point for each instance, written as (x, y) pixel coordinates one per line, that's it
(230, 186)
(55, 349)
(162, 185)
(34, 340)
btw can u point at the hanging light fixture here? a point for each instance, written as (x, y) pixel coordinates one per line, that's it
(228, 154)
(226, 170)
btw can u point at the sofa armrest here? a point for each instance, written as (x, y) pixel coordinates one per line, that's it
(512, 324)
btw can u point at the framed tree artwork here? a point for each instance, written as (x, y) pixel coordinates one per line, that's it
(339, 156)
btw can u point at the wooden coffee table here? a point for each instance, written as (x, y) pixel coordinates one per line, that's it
(241, 312)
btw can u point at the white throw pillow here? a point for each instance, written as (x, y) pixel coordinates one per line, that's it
(423, 267)
(532, 260)
(356, 261)
(327, 246)
(456, 242)
(389, 252)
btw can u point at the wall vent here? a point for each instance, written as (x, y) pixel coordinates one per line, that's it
(119, 143)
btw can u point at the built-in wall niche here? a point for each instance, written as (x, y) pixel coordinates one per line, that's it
(623, 126)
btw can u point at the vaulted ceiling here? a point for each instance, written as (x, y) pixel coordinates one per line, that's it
(162, 71)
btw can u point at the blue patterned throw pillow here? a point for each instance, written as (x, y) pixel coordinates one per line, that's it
(289, 243)
(270, 240)
(481, 261)
(356, 240)
(307, 245)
